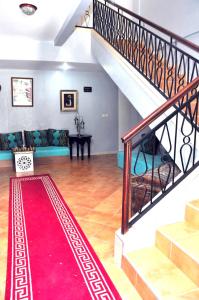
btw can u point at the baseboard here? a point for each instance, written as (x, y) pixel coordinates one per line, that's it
(105, 153)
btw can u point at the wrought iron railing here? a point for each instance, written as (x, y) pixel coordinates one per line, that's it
(161, 56)
(156, 162)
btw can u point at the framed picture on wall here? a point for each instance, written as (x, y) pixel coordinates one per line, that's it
(22, 91)
(68, 100)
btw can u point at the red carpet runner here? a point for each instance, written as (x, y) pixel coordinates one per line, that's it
(49, 257)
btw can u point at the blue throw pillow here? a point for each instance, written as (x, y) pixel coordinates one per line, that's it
(58, 137)
(36, 138)
(11, 140)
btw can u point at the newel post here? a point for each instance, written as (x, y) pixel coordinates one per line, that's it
(126, 185)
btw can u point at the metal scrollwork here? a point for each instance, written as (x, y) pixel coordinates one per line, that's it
(167, 67)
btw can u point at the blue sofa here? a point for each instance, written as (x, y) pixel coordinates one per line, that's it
(47, 151)
(51, 143)
(143, 164)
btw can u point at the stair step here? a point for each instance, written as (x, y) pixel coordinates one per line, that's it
(192, 213)
(155, 276)
(180, 243)
(120, 280)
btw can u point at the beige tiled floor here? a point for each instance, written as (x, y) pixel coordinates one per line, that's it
(92, 189)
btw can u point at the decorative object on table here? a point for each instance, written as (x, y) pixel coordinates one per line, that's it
(22, 91)
(66, 264)
(68, 100)
(79, 123)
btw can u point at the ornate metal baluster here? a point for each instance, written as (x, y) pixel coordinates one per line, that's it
(165, 134)
(114, 33)
(159, 60)
(181, 74)
(170, 72)
(118, 33)
(100, 17)
(194, 74)
(187, 129)
(159, 65)
(151, 58)
(140, 192)
(130, 43)
(107, 24)
(123, 36)
(135, 45)
(143, 50)
(196, 122)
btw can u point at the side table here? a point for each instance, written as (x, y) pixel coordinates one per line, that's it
(80, 140)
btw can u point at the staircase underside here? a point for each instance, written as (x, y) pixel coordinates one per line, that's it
(131, 83)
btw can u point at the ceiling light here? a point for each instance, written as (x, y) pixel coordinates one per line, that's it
(65, 66)
(28, 9)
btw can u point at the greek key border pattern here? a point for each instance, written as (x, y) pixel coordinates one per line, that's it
(93, 277)
(21, 284)
(95, 281)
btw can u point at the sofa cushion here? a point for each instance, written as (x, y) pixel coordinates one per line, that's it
(58, 137)
(11, 140)
(36, 138)
(51, 151)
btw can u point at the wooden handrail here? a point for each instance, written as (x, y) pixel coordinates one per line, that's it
(158, 27)
(159, 111)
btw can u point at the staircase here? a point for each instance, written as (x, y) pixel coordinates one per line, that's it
(150, 65)
(169, 269)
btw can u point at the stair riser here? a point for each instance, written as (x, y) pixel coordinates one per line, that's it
(141, 286)
(179, 257)
(192, 215)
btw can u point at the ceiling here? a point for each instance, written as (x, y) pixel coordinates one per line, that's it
(44, 25)
(24, 38)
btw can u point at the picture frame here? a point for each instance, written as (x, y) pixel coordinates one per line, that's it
(68, 100)
(22, 91)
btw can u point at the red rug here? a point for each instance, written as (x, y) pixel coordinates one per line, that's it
(49, 257)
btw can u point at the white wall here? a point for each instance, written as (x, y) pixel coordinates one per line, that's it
(76, 49)
(46, 111)
(132, 5)
(127, 116)
(125, 3)
(179, 16)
